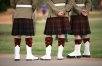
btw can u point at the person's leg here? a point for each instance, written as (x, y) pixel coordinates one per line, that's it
(17, 41)
(48, 43)
(86, 41)
(76, 53)
(61, 42)
(29, 55)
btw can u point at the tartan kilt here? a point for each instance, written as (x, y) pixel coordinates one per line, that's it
(23, 26)
(80, 25)
(57, 26)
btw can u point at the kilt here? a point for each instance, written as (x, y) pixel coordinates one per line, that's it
(80, 25)
(23, 26)
(57, 26)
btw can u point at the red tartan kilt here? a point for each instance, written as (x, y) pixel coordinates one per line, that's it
(57, 26)
(22, 26)
(80, 25)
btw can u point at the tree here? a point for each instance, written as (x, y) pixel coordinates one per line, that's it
(96, 4)
(4, 4)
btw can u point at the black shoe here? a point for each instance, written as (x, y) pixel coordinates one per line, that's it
(45, 59)
(73, 56)
(86, 56)
(16, 59)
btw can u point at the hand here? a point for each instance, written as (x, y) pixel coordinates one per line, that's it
(61, 13)
(85, 12)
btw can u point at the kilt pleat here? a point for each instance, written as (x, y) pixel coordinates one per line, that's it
(57, 26)
(22, 26)
(80, 25)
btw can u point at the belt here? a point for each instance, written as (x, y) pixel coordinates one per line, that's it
(29, 6)
(80, 4)
(60, 4)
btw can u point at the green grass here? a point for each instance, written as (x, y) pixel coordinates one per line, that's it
(96, 15)
(7, 46)
(96, 38)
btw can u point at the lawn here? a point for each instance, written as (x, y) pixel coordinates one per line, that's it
(7, 46)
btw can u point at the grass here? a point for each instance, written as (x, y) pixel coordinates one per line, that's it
(7, 46)
(99, 15)
(95, 14)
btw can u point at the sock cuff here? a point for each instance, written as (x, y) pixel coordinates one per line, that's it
(78, 41)
(86, 39)
(17, 41)
(48, 41)
(61, 41)
(28, 41)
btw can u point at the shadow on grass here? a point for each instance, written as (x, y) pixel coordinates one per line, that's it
(5, 33)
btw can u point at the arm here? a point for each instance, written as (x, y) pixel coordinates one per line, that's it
(34, 4)
(13, 3)
(69, 5)
(52, 6)
(88, 5)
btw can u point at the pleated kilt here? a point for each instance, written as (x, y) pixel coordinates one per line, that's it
(22, 26)
(80, 25)
(57, 26)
